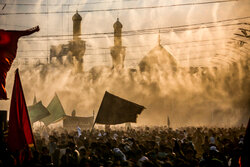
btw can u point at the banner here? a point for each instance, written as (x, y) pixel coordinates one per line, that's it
(20, 134)
(71, 123)
(115, 110)
(245, 161)
(8, 49)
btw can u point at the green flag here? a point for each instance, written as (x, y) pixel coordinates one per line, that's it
(37, 111)
(56, 111)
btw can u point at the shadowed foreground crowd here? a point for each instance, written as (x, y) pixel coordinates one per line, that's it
(156, 146)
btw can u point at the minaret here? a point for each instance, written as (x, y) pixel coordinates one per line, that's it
(117, 33)
(77, 19)
(77, 46)
(117, 51)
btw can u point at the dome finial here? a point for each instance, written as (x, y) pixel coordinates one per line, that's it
(76, 16)
(117, 24)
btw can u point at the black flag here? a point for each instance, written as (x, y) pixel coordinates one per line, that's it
(115, 110)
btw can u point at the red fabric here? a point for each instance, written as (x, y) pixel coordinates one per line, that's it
(20, 134)
(8, 48)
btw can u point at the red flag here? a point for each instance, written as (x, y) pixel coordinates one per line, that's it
(20, 134)
(8, 49)
(245, 162)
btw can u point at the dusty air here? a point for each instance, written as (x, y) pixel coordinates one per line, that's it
(124, 83)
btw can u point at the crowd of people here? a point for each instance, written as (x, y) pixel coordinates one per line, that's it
(140, 146)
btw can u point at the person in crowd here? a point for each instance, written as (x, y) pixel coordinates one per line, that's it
(139, 147)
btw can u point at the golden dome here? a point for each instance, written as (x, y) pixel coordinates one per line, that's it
(117, 24)
(76, 17)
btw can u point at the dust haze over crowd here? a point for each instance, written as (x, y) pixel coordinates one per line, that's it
(212, 96)
(208, 95)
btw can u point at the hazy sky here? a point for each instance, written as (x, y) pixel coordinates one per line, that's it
(163, 14)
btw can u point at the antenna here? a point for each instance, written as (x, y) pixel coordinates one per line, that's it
(47, 44)
(159, 38)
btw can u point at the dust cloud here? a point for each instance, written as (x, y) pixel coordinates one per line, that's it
(198, 96)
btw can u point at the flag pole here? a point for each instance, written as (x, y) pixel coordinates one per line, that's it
(94, 121)
(97, 114)
(92, 127)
